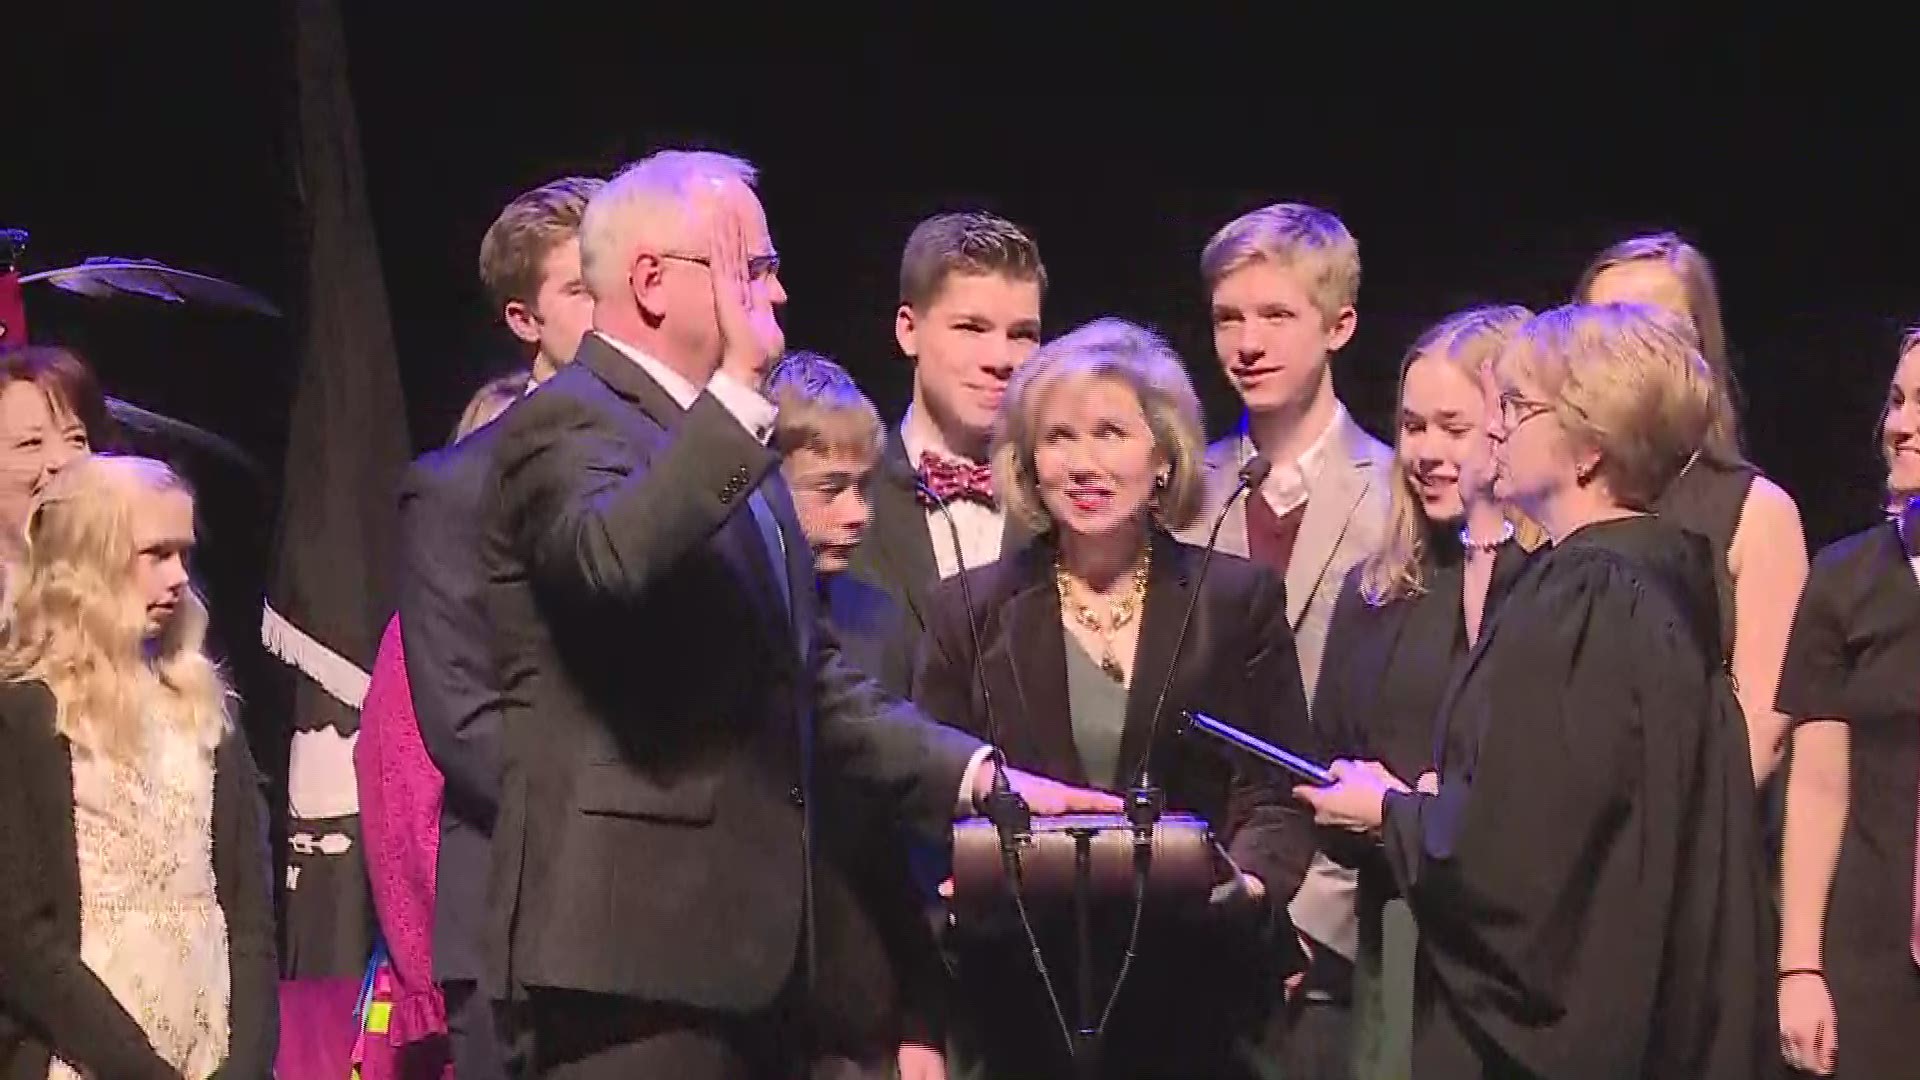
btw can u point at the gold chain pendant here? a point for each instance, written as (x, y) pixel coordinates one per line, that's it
(1120, 613)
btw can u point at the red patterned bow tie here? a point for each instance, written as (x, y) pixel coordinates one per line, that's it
(951, 479)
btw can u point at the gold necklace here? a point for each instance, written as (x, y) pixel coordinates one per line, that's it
(1120, 613)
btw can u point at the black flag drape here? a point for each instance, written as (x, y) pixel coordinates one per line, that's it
(331, 594)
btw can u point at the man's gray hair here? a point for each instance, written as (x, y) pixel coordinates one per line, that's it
(646, 197)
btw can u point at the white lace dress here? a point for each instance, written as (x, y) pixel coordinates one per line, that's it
(151, 927)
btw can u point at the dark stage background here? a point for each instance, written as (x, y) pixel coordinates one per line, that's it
(1474, 164)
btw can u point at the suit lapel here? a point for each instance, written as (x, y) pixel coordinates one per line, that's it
(900, 543)
(802, 597)
(1331, 500)
(1032, 655)
(1224, 459)
(739, 540)
(629, 380)
(1169, 591)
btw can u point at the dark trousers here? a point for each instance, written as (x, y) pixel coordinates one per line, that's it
(473, 1040)
(580, 1036)
(1311, 1037)
(1314, 1040)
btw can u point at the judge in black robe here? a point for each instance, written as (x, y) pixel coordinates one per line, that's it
(1587, 881)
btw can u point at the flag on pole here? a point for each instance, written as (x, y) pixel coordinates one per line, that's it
(331, 593)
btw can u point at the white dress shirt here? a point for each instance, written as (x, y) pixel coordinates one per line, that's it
(981, 527)
(756, 414)
(1287, 486)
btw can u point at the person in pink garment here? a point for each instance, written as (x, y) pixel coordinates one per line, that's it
(400, 799)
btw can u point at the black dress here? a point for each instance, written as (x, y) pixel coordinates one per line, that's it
(1388, 666)
(1708, 498)
(1387, 669)
(1587, 884)
(1855, 656)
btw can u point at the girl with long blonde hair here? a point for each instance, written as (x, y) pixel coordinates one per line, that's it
(136, 934)
(1405, 618)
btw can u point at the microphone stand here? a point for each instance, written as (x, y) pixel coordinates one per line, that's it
(1145, 799)
(1012, 818)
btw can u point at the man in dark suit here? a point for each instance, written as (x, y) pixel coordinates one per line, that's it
(674, 699)
(970, 291)
(530, 265)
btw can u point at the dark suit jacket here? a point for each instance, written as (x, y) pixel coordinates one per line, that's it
(882, 968)
(897, 554)
(876, 634)
(49, 1001)
(1237, 665)
(665, 707)
(456, 694)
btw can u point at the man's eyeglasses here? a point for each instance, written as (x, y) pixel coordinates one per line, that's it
(1516, 410)
(759, 267)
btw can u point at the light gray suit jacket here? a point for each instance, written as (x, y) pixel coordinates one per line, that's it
(1345, 521)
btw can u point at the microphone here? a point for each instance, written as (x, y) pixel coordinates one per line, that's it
(1252, 475)
(1011, 816)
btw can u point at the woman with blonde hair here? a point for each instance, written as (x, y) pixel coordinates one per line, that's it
(1098, 450)
(1850, 931)
(1406, 617)
(1585, 874)
(1752, 524)
(136, 925)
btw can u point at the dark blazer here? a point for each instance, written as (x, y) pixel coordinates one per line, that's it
(883, 967)
(666, 708)
(876, 633)
(1238, 665)
(49, 1001)
(897, 554)
(456, 693)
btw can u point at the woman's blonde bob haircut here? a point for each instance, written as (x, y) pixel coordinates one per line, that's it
(1117, 351)
(79, 625)
(1625, 380)
(1467, 341)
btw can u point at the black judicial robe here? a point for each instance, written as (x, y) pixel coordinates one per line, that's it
(1588, 883)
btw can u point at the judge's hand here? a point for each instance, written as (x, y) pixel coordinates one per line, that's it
(1356, 800)
(1428, 784)
(1044, 796)
(750, 334)
(919, 1061)
(1809, 1038)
